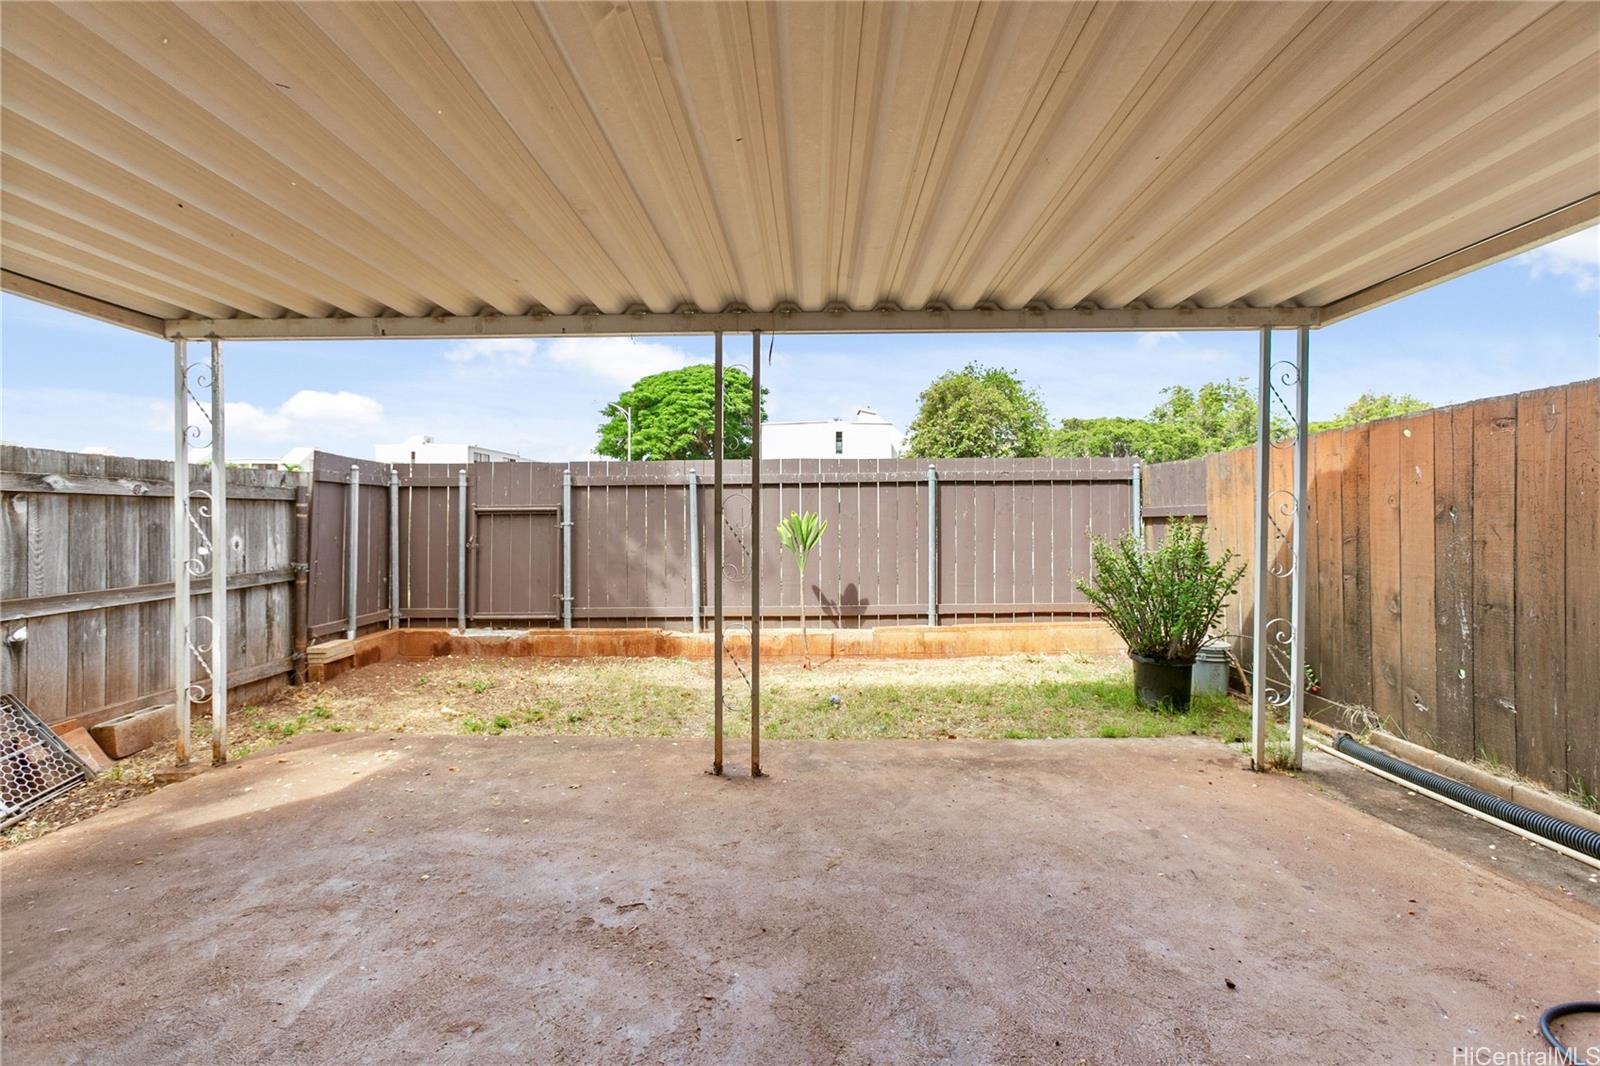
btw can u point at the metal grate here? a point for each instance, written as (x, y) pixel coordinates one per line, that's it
(35, 765)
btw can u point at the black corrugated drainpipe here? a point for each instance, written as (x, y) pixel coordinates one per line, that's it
(1551, 828)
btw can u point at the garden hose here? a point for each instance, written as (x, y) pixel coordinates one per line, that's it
(1578, 838)
(1561, 1010)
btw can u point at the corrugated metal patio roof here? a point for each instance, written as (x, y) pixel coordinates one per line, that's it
(347, 169)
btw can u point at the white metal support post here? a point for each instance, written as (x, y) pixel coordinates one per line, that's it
(694, 552)
(220, 550)
(394, 548)
(933, 546)
(566, 546)
(1137, 525)
(1297, 667)
(1258, 648)
(461, 550)
(180, 545)
(352, 554)
(716, 562)
(199, 549)
(1280, 554)
(755, 553)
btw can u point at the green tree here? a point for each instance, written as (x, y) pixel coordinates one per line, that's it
(674, 412)
(1124, 437)
(1369, 407)
(1222, 414)
(1186, 424)
(978, 412)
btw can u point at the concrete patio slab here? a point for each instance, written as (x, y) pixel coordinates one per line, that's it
(375, 898)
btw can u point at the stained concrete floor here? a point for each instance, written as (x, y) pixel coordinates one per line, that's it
(377, 899)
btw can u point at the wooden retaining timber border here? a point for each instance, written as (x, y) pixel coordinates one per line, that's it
(330, 659)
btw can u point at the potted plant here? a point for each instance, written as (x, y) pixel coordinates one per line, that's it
(799, 534)
(1163, 601)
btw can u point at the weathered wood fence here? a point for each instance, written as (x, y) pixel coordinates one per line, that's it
(1012, 537)
(1453, 565)
(86, 581)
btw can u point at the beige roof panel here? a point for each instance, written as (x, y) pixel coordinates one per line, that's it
(284, 166)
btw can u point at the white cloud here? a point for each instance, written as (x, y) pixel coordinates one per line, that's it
(616, 360)
(96, 449)
(494, 351)
(620, 360)
(307, 415)
(1575, 257)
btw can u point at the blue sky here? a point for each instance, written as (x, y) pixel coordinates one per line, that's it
(68, 382)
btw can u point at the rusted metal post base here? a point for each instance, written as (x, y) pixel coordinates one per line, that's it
(172, 774)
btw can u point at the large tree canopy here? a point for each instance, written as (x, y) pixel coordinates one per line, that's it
(673, 415)
(1189, 423)
(1369, 408)
(978, 412)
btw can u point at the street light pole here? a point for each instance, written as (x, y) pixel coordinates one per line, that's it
(627, 413)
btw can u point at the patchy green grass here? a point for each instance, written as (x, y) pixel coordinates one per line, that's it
(1021, 697)
(1026, 708)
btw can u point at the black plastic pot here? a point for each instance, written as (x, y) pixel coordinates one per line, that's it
(1161, 682)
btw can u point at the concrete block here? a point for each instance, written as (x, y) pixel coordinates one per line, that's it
(135, 731)
(84, 747)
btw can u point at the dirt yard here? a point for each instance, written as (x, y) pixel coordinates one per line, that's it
(1015, 697)
(558, 899)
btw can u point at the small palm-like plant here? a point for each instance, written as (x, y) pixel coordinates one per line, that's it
(799, 534)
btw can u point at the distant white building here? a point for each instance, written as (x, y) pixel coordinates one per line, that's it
(293, 459)
(866, 436)
(424, 449)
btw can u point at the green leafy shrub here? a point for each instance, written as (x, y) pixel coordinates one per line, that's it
(1162, 601)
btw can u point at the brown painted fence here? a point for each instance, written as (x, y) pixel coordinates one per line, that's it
(1172, 492)
(86, 587)
(1453, 559)
(1013, 537)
